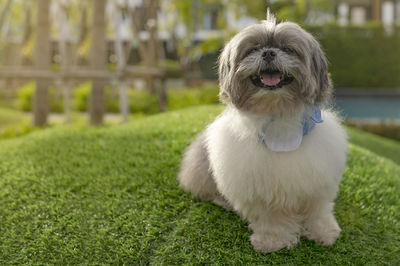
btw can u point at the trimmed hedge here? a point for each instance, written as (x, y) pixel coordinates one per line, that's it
(361, 57)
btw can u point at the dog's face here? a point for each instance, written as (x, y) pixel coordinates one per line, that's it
(273, 68)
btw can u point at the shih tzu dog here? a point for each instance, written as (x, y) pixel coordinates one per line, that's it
(276, 155)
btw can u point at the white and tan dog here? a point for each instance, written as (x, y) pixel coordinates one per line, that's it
(276, 155)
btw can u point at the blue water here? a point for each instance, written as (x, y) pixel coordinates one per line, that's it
(368, 107)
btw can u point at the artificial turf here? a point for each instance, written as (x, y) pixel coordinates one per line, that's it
(109, 196)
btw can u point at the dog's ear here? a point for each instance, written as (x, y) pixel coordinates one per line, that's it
(223, 71)
(227, 93)
(319, 67)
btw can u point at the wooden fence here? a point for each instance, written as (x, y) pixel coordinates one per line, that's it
(97, 71)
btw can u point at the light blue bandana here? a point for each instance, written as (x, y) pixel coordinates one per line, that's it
(275, 139)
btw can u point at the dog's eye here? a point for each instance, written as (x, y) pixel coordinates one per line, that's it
(251, 51)
(288, 50)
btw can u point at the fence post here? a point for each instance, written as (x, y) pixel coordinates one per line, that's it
(121, 59)
(66, 56)
(42, 62)
(162, 95)
(98, 61)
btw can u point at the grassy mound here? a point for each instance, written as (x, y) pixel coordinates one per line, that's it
(110, 195)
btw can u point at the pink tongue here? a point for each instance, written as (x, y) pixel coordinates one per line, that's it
(271, 79)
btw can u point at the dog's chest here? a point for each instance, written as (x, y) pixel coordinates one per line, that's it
(246, 169)
(250, 169)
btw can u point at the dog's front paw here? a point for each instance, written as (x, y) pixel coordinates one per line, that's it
(267, 242)
(325, 235)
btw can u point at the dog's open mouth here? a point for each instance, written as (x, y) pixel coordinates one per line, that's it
(271, 79)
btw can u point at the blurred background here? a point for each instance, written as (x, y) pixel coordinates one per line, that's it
(110, 61)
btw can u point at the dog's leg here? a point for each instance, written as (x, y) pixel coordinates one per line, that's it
(195, 175)
(273, 231)
(320, 223)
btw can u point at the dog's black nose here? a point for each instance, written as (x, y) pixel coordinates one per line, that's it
(269, 55)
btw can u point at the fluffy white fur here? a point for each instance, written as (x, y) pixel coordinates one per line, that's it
(281, 194)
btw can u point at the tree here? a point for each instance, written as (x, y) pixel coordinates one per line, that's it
(4, 12)
(300, 11)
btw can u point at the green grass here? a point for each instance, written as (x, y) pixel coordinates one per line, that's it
(109, 196)
(10, 117)
(384, 147)
(13, 122)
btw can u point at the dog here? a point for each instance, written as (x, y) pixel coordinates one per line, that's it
(277, 153)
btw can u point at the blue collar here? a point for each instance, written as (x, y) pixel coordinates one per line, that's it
(310, 121)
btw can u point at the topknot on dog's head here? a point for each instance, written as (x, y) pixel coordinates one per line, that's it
(270, 19)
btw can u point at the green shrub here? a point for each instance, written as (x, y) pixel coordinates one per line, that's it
(56, 100)
(181, 99)
(25, 95)
(209, 94)
(111, 99)
(25, 98)
(139, 101)
(16, 130)
(142, 102)
(178, 99)
(80, 96)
